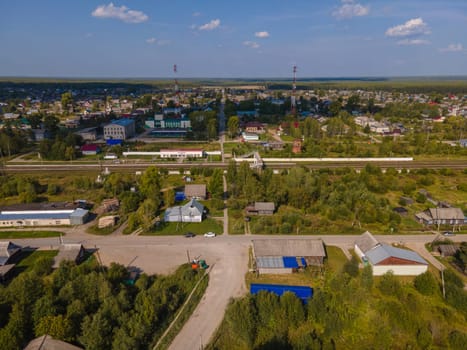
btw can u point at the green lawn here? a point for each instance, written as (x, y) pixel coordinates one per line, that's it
(29, 234)
(173, 228)
(335, 258)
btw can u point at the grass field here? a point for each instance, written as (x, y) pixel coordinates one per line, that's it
(29, 234)
(174, 229)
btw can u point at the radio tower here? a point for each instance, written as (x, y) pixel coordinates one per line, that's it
(293, 102)
(177, 100)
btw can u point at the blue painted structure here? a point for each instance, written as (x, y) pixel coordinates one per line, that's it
(291, 262)
(114, 142)
(179, 196)
(302, 292)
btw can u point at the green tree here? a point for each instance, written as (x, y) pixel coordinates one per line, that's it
(67, 101)
(426, 283)
(216, 186)
(232, 126)
(59, 327)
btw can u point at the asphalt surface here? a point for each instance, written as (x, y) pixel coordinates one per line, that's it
(226, 254)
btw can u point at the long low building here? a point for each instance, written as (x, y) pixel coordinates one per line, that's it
(10, 218)
(287, 255)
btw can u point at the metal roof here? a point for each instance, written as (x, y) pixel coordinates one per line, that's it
(366, 242)
(41, 214)
(122, 122)
(7, 250)
(192, 208)
(384, 251)
(275, 262)
(264, 206)
(446, 213)
(288, 247)
(69, 251)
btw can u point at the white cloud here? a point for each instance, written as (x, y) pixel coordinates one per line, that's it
(414, 26)
(350, 9)
(196, 14)
(413, 42)
(159, 42)
(213, 24)
(263, 34)
(251, 44)
(453, 48)
(122, 13)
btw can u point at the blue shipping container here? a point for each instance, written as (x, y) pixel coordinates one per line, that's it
(114, 142)
(302, 292)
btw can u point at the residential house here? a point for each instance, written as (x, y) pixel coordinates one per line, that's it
(193, 211)
(261, 208)
(90, 149)
(255, 127)
(441, 216)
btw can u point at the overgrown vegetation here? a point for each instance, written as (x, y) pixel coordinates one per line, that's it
(90, 305)
(351, 311)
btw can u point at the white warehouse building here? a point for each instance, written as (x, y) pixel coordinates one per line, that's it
(384, 258)
(43, 217)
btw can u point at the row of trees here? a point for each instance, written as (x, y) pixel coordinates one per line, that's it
(90, 305)
(352, 310)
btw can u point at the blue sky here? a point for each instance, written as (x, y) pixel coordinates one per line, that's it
(248, 39)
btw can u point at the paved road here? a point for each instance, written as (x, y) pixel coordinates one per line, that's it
(227, 253)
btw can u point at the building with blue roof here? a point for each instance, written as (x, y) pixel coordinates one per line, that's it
(385, 258)
(119, 129)
(21, 218)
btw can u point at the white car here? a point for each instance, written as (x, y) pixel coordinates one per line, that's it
(209, 234)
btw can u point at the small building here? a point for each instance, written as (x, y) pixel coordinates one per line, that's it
(297, 146)
(88, 134)
(107, 221)
(255, 127)
(110, 204)
(384, 258)
(193, 211)
(248, 136)
(69, 252)
(7, 251)
(447, 249)
(401, 211)
(287, 255)
(261, 208)
(90, 149)
(46, 342)
(119, 129)
(196, 191)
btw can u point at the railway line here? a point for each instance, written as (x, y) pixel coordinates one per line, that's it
(142, 165)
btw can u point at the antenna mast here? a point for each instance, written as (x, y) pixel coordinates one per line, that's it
(293, 102)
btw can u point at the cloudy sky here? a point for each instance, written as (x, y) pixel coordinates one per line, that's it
(241, 38)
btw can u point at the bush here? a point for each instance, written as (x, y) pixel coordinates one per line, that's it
(426, 283)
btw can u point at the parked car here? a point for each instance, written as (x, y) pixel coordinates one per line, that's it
(190, 235)
(209, 234)
(448, 233)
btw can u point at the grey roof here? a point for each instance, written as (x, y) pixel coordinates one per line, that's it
(265, 206)
(446, 213)
(384, 251)
(268, 262)
(79, 213)
(192, 208)
(288, 247)
(69, 252)
(7, 250)
(195, 190)
(366, 242)
(46, 342)
(423, 216)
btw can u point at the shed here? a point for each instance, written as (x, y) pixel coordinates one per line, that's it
(365, 243)
(197, 191)
(46, 342)
(69, 252)
(261, 208)
(7, 251)
(79, 216)
(287, 255)
(447, 249)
